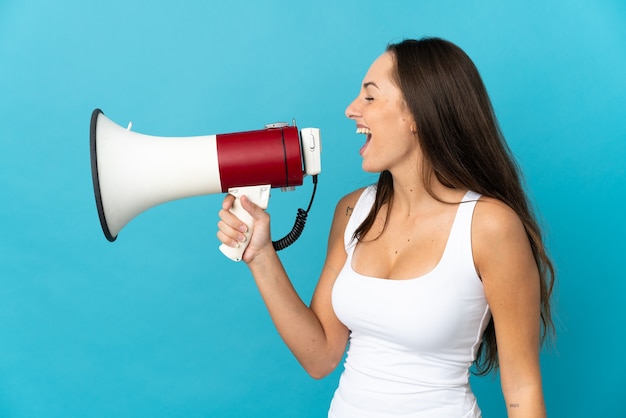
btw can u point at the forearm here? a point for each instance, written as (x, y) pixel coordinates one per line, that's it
(525, 402)
(297, 324)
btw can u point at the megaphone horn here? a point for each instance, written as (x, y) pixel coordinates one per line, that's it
(133, 172)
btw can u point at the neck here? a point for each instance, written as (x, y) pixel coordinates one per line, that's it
(411, 195)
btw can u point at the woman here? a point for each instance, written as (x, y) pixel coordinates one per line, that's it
(425, 269)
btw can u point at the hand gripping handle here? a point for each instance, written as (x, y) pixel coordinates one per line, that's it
(257, 194)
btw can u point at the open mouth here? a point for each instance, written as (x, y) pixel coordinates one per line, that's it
(368, 137)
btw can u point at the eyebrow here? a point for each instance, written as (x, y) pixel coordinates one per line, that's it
(370, 83)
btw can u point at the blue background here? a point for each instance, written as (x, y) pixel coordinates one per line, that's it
(159, 323)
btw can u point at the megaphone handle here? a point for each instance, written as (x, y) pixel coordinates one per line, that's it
(257, 194)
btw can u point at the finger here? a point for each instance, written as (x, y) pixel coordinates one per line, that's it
(228, 201)
(229, 235)
(252, 208)
(232, 220)
(226, 240)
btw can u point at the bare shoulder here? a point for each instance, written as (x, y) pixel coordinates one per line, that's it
(498, 234)
(346, 204)
(343, 211)
(492, 218)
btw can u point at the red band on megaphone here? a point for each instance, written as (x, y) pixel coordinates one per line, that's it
(269, 156)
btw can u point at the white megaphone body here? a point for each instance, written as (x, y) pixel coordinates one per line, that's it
(133, 172)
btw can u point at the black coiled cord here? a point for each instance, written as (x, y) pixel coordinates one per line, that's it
(298, 225)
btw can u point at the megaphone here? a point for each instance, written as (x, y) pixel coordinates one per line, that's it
(133, 172)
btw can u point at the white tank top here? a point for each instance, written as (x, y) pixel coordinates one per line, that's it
(412, 341)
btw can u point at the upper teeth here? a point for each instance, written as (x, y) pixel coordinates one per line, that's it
(363, 131)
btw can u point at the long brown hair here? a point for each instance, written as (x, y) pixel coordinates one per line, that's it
(462, 146)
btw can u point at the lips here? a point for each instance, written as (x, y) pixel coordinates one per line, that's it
(368, 135)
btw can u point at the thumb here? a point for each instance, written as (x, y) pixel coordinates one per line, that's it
(252, 208)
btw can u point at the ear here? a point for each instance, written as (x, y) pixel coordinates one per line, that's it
(407, 117)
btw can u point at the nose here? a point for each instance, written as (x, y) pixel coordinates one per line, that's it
(353, 111)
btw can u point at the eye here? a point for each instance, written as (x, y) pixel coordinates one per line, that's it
(369, 99)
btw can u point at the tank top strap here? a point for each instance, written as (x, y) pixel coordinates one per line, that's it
(466, 208)
(459, 243)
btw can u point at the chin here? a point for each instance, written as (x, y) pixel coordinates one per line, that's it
(369, 168)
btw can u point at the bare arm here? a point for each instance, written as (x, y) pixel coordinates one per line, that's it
(314, 334)
(510, 277)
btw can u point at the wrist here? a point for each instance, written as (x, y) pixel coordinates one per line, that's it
(261, 256)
